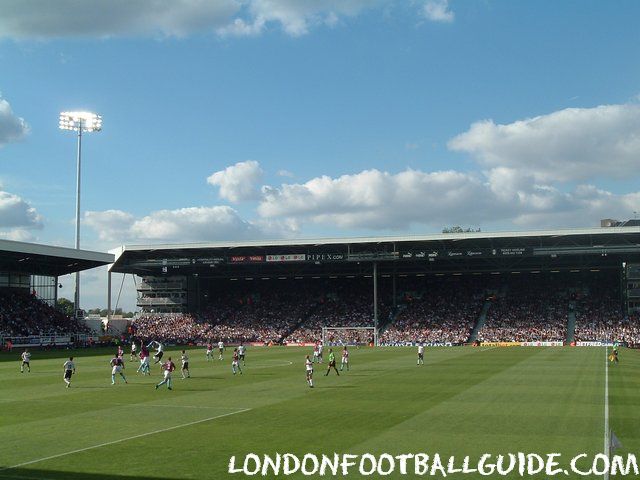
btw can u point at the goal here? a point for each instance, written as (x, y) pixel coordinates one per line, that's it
(352, 336)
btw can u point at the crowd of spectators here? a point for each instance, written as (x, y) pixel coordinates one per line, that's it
(23, 314)
(435, 312)
(347, 303)
(264, 314)
(599, 317)
(528, 311)
(440, 313)
(170, 327)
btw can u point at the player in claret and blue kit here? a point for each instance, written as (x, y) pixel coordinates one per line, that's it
(168, 367)
(117, 367)
(345, 359)
(235, 364)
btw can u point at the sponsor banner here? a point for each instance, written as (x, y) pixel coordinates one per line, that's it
(208, 261)
(500, 344)
(290, 257)
(246, 258)
(512, 252)
(372, 256)
(432, 255)
(542, 344)
(306, 344)
(594, 344)
(326, 257)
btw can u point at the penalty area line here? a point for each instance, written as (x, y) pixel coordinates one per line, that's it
(113, 442)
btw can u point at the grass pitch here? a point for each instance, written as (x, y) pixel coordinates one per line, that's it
(464, 401)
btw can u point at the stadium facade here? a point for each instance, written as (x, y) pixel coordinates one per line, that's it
(179, 277)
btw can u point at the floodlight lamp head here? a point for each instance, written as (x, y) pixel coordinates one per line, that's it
(85, 121)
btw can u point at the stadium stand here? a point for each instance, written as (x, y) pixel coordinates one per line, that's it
(23, 314)
(528, 311)
(599, 316)
(531, 309)
(443, 312)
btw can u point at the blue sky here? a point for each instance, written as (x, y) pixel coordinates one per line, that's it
(241, 119)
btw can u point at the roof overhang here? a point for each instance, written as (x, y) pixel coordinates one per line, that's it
(36, 259)
(586, 241)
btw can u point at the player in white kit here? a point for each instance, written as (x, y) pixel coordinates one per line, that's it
(220, 349)
(26, 361)
(69, 369)
(241, 353)
(420, 354)
(309, 369)
(159, 350)
(184, 358)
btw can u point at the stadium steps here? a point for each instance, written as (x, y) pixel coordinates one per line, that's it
(480, 322)
(391, 318)
(310, 312)
(571, 326)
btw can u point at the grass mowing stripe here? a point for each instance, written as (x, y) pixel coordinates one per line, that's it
(51, 457)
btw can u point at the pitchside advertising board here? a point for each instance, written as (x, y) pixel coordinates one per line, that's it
(545, 344)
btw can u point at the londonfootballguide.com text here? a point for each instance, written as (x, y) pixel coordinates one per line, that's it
(422, 464)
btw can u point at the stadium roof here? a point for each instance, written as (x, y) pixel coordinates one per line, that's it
(35, 259)
(435, 237)
(616, 243)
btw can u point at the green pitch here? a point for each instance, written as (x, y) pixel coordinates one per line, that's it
(464, 401)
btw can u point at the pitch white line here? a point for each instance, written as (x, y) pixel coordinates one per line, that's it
(607, 436)
(141, 435)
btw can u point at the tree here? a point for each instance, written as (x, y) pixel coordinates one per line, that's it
(66, 306)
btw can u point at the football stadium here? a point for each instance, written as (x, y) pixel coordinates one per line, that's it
(486, 354)
(324, 239)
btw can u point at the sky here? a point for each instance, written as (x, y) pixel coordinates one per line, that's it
(264, 119)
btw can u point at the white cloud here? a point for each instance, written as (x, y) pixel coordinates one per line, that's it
(383, 201)
(43, 19)
(18, 235)
(568, 145)
(97, 18)
(296, 17)
(438, 11)
(191, 224)
(12, 127)
(285, 173)
(238, 182)
(17, 212)
(111, 225)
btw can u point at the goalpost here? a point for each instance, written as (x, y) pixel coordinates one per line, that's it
(351, 336)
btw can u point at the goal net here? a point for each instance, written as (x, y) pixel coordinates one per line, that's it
(352, 336)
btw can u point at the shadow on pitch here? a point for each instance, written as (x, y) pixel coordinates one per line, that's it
(32, 474)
